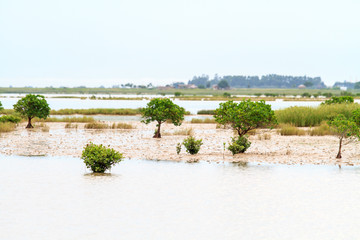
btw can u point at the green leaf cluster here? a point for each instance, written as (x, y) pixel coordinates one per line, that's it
(336, 100)
(192, 145)
(245, 115)
(100, 158)
(32, 106)
(162, 109)
(239, 145)
(10, 118)
(1, 107)
(345, 127)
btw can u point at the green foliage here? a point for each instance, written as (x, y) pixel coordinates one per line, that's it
(32, 106)
(327, 94)
(337, 100)
(160, 110)
(308, 84)
(345, 93)
(239, 145)
(226, 94)
(206, 112)
(177, 94)
(306, 94)
(245, 115)
(10, 118)
(356, 116)
(223, 84)
(357, 85)
(313, 116)
(100, 158)
(178, 148)
(1, 107)
(344, 127)
(192, 145)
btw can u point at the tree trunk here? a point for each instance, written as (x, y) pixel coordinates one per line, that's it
(339, 153)
(29, 123)
(157, 134)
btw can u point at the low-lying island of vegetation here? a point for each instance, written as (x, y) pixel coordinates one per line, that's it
(296, 135)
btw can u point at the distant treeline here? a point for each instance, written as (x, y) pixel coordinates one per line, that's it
(267, 81)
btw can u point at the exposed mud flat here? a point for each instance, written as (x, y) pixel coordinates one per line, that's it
(138, 143)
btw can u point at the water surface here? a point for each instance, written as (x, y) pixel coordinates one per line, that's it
(55, 198)
(192, 106)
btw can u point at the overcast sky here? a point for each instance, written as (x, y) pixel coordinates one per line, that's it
(108, 42)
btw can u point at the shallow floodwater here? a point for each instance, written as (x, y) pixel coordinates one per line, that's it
(55, 198)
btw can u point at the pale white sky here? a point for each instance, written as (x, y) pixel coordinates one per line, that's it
(108, 42)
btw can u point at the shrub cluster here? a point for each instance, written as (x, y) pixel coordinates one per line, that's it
(10, 118)
(337, 100)
(239, 145)
(192, 145)
(100, 158)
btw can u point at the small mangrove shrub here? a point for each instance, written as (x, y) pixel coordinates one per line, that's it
(100, 158)
(192, 145)
(178, 148)
(239, 145)
(337, 100)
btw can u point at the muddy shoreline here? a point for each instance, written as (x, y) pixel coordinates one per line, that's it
(138, 143)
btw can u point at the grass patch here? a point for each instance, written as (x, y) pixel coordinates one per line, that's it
(7, 127)
(122, 126)
(83, 119)
(310, 116)
(206, 120)
(184, 132)
(206, 112)
(321, 130)
(71, 125)
(290, 130)
(265, 136)
(97, 125)
(96, 111)
(43, 127)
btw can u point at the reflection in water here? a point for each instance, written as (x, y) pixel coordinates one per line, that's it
(56, 198)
